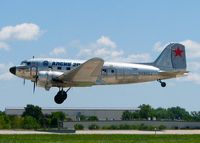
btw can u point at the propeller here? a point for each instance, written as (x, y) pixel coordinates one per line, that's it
(36, 80)
(24, 81)
(35, 84)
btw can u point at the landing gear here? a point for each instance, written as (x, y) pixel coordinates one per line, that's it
(61, 96)
(163, 84)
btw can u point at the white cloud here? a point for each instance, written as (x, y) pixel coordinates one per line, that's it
(158, 47)
(4, 46)
(143, 57)
(4, 71)
(58, 51)
(193, 58)
(193, 77)
(192, 47)
(103, 48)
(108, 50)
(24, 31)
(193, 66)
(105, 41)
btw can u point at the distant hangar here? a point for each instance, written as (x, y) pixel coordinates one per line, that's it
(75, 113)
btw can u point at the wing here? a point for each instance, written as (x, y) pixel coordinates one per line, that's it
(86, 72)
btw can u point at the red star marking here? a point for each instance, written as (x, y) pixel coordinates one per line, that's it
(178, 52)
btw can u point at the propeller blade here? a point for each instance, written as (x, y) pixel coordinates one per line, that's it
(34, 87)
(24, 81)
(36, 80)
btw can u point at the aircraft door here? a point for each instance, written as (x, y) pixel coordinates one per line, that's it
(120, 73)
(33, 71)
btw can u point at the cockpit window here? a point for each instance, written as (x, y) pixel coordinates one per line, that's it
(25, 63)
(28, 63)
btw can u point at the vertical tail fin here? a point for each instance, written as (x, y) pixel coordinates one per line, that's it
(172, 58)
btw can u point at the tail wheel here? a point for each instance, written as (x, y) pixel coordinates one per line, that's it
(163, 84)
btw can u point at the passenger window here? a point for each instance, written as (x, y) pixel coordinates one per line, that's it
(104, 70)
(59, 68)
(69, 64)
(45, 63)
(112, 71)
(68, 68)
(28, 63)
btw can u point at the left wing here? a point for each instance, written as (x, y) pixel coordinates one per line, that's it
(86, 72)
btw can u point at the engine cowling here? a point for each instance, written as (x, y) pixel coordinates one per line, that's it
(45, 78)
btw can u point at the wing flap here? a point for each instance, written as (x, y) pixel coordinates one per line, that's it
(86, 72)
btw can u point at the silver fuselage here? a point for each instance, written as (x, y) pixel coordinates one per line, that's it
(111, 73)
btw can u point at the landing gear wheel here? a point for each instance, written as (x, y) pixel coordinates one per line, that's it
(163, 84)
(60, 97)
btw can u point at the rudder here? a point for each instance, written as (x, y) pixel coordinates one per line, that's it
(172, 58)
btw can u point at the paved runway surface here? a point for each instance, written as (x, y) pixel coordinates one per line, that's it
(104, 132)
(139, 132)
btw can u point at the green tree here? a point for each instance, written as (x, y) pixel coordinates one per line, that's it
(56, 117)
(177, 113)
(195, 115)
(16, 122)
(30, 123)
(161, 113)
(83, 118)
(146, 111)
(92, 118)
(4, 121)
(33, 111)
(45, 121)
(135, 115)
(93, 127)
(78, 127)
(127, 115)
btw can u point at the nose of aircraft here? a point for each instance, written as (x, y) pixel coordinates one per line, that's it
(13, 70)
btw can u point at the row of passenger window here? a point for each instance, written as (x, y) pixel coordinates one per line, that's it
(67, 68)
(120, 71)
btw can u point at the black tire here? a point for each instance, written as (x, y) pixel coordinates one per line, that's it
(163, 84)
(60, 97)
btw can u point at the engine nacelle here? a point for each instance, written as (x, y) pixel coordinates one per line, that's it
(45, 78)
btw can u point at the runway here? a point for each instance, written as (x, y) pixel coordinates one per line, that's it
(136, 132)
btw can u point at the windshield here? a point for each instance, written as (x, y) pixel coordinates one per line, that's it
(25, 63)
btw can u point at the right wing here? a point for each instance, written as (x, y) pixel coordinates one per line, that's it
(86, 72)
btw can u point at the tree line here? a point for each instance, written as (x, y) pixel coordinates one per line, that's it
(32, 118)
(146, 112)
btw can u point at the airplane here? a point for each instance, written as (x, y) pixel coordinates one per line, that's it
(62, 73)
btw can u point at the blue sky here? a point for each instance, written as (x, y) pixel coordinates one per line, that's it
(116, 30)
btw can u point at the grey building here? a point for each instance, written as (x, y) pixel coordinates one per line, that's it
(167, 124)
(75, 113)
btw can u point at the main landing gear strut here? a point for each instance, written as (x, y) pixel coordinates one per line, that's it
(163, 84)
(61, 96)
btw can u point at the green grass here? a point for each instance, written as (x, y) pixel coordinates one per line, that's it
(99, 138)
